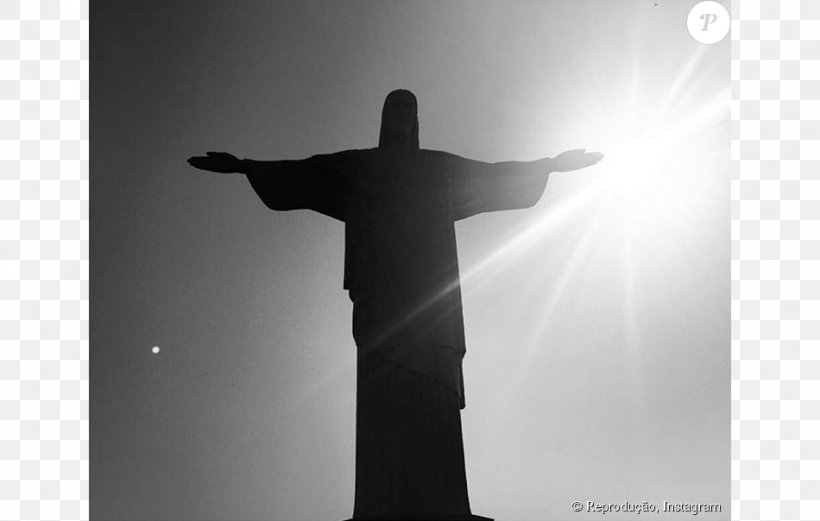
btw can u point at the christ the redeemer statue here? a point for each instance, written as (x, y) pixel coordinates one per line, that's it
(399, 204)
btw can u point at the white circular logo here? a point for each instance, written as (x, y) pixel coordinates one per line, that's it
(708, 22)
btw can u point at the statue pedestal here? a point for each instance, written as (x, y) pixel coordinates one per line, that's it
(471, 518)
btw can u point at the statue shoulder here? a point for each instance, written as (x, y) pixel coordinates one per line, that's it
(441, 154)
(442, 159)
(434, 153)
(355, 153)
(353, 159)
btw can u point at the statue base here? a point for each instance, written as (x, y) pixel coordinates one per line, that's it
(472, 517)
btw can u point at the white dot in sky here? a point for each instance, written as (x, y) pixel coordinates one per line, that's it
(155, 349)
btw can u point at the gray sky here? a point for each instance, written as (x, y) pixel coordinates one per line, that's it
(597, 322)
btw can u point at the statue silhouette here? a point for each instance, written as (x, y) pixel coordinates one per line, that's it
(399, 204)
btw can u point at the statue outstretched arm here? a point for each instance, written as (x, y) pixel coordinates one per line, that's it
(220, 162)
(316, 183)
(480, 187)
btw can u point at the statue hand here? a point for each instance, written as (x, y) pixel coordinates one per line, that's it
(575, 160)
(221, 162)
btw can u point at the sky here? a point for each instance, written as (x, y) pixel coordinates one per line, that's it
(597, 322)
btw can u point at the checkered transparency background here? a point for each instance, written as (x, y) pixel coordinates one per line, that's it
(44, 259)
(776, 259)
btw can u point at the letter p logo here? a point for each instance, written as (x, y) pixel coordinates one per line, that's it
(708, 18)
(708, 22)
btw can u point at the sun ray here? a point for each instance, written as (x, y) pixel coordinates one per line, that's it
(684, 78)
(631, 332)
(553, 218)
(571, 267)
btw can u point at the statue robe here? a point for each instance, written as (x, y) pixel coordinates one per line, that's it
(401, 266)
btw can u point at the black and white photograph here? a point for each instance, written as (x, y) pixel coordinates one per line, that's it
(409, 260)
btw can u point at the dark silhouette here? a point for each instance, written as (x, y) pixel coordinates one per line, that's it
(399, 204)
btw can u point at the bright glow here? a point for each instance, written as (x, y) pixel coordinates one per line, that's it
(635, 216)
(634, 165)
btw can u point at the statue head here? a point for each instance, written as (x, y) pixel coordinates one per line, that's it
(400, 121)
